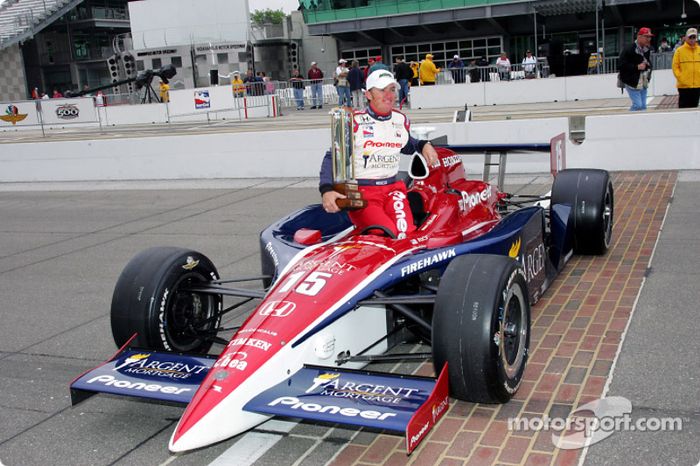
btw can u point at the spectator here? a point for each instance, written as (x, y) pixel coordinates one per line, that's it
(686, 69)
(414, 67)
(370, 63)
(664, 46)
(403, 74)
(594, 62)
(530, 65)
(253, 84)
(428, 71)
(341, 83)
(268, 84)
(635, 69)
(456, 67)
(503, 67)
(483, 64)
(237, 85)
(85, 89)
(297, 83)
(35, 94)
(44, 96)
(315, 76)
(680, 42)
(164, 90)
(56, 94)
(356, 81)
(378, 65)
(474, 74)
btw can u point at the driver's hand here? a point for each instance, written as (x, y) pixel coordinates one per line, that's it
(328, 200)
(430, 155)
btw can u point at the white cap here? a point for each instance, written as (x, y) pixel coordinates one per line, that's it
(456, 56)
(342, 60)
(691, 32)
(313, 63)
(380, 79)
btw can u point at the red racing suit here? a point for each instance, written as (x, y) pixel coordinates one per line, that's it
(378, 142)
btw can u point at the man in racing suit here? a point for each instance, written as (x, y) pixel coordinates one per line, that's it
(381, 134)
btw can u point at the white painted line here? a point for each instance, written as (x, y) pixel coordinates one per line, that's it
(609, 380)
(247, 450)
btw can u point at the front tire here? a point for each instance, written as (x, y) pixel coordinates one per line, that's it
(149, 300)
(481, 327)
(589, 192)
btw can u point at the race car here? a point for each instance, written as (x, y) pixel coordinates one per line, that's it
(334, 298)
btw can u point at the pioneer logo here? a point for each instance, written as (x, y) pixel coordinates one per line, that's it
(277, 308)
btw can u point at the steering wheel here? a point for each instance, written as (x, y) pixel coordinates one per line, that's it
(384, 229)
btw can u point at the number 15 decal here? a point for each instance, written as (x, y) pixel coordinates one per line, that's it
(310, 286)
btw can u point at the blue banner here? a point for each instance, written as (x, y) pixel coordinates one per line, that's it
(382, 401)
(148, 374)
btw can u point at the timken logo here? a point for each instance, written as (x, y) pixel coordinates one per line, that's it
(391, 145)
(277, 308)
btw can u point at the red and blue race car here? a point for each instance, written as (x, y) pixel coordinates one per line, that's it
(334, 298)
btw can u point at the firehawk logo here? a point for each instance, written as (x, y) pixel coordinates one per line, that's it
(322, 379)
(515, 249)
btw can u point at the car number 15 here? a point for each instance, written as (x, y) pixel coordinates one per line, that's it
(310, 286)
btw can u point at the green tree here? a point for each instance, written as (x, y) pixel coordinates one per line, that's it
(267, 16)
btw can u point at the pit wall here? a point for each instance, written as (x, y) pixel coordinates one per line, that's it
(643, 141)
(527, 91)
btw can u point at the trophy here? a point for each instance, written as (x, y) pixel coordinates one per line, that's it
(342, 145)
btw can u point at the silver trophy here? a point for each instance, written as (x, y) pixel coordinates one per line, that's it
(342, 155)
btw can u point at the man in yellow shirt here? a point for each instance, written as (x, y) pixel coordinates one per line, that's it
(164, 90)
(428, 71)
(686, 69)
(238, 86)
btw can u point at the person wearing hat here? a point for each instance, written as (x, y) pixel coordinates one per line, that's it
(341, 83)
(315, 76)
(380, 135)
(377, 65)
(456, 67)
(403, 75)
(427, 73)
(635, 69)
(686, 69)
(237, 85)
(529, 65)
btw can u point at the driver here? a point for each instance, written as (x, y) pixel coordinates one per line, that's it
(381, 133)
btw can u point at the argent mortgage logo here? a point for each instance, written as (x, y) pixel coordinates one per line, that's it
(593, 422)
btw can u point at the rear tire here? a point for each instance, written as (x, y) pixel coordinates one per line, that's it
(147, 301)
(481, 327)
(589, 192)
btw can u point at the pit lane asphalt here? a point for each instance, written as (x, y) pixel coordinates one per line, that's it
(61, 252)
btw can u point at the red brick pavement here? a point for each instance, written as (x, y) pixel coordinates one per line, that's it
(576, 331)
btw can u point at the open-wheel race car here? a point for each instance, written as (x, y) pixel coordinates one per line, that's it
(334, 298)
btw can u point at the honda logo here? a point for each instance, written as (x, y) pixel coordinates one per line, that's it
(277, 308)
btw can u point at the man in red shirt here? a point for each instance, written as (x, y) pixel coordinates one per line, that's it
(315, 76)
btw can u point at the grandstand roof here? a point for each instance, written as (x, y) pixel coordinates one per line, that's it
(21, 19)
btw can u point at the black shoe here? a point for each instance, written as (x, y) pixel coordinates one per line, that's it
(314, 107)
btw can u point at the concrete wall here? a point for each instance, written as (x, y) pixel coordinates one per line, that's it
(13, 85)
(532, 91)
(647, 141)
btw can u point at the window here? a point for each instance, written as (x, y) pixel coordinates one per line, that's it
(222, 58)
(176, 62)
(139, 65)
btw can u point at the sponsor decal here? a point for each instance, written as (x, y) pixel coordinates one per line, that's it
(332, 385)
(277, 308)
(110, 381)
(533, 262)
(515, 249)
(428, 261)
(399, 206)
(161, 319)
(142, 364)
(12, 115)
(418, 436)
(468, 201)
(365, 157)
(325, 265)
(379, 144)
(296, 404)
(420, 239)
(252, 342)
(365, 119)
(368, 132)
(451, 160)
(67, 112)
(439, 408)
(258, 330)
(201, 99)
(235, 360)
(190, 263)
(272, 253)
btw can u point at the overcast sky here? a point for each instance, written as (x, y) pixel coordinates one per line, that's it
(286, 5)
